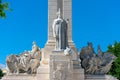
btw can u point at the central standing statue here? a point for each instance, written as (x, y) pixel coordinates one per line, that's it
(60, 32)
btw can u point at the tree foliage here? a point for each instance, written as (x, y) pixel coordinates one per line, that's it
(115, 69)
(4, 6)
(1, 74)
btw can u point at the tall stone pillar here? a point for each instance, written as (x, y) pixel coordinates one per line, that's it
(66, 11)
(48, 51)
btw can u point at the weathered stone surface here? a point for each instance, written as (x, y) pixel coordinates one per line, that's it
(53, 6)
(60, 32)
(57, 65)
(19, 77)
(96, 64)
(78, 74)
(95, 77)
(43, 73)
(100, 77)
(59, 60)
(67, 15)
(109, 77)
(71, 69)
(27, 62)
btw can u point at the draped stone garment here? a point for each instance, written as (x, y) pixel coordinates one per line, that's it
(60, 31)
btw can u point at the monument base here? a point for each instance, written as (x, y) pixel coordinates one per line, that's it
(95, 77)
(70, 70)
(99, 77)
(50, 46)
(78, 74)
(19, 77)
(42, 72)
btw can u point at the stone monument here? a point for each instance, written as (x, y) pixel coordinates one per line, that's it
(65, 9)
(59, 59)
(60, 49)
(23, 66)
(59, 42)
(96, 66)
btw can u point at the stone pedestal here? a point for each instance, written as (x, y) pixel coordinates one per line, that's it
(58, 59)
(50, 46)
(71, 70)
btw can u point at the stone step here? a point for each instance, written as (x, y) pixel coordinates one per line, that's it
(19, 77)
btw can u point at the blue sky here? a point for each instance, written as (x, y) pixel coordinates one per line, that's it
(96, 21)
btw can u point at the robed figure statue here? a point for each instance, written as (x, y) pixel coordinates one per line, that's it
(60, 32)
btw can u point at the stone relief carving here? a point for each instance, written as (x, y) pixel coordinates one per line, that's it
(60, 32)
(61, 65)
(59, 74)
(96, 63)
(27, 62)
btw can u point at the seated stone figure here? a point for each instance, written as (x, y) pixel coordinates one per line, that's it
(27, 62)
(96, 64)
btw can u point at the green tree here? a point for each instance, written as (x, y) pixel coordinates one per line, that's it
(1, 74)
(115, 69)
(4, 6)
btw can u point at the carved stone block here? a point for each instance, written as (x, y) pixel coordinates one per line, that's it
(61, 66)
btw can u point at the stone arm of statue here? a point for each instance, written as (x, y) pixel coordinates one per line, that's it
(53, 26)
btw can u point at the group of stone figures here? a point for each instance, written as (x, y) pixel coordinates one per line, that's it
(27, 62)
(93, 63)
